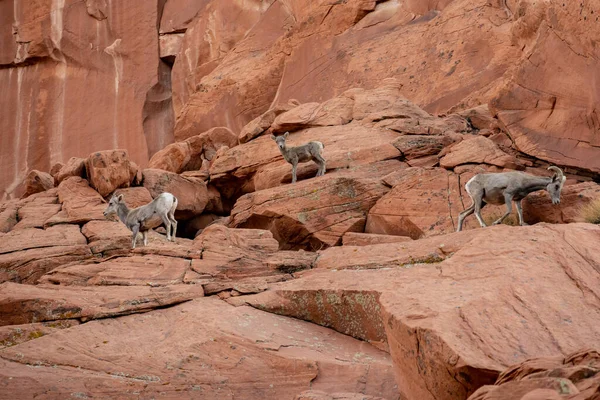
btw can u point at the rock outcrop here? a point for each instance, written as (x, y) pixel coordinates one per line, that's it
(455, 310)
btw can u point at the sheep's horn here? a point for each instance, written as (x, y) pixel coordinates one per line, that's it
(557, 171)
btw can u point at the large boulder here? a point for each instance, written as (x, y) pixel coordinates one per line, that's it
(27, 303)
(37, 181)
(576, 376)
(204, 348)
(80, 203)
(484, 300)
(422, 202)
(27, 254)
(189, 154)
(315, 213)
(108, 170)
(477, 150)
(74, 167)
(35, 210)
(235, 254)
(191, 193)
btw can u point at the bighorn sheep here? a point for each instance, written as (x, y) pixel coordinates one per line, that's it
(504, 187)
(306, 152)
(159, 211)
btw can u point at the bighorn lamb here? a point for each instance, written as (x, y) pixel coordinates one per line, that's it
(159, 211)
(306, 152)
(504, 187)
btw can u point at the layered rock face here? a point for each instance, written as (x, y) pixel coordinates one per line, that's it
(163, 69)
(352, 285)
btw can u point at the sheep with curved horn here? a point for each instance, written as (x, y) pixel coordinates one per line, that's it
(159, 211)
(506, 187)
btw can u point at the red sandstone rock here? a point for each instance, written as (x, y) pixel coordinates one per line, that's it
(189, 154)
(549, 118)
(16, 334)
(108, 170)
(574, 377)
(261, 123)
(26, 303)
(80, 203)
(241, 253)
(422, 202)
(178, 14)
(320, 395)
(106, 235)
(37, 181)
(478, 150)
(481, 118)
(192, 194)
(366, 239)
(258, 164)
(537, 207)
(8, 215)
(454, 324)
(27, 254)
(204, 346)
(314, 213)
(35, 213)
(76, 77)
(74, 167)
(418, 146)
(147, 270)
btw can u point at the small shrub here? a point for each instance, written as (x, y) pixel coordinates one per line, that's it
(512, 219)
(591, 212)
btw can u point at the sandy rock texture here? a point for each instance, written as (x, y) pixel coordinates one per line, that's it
(348, 286)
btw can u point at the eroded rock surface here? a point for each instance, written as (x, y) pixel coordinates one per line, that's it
(455, 319)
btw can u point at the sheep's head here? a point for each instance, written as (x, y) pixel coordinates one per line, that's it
(555, 186)
(113, 205)
(280, 140)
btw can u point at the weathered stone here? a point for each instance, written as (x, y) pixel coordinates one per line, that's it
(203, 346)
(108, 170)
(37, 181)
(192, 194)
(463, 317)
(366, 239)
(74, 167)
(22, 304)
(80, 203)
(314, 213)
(478, 150)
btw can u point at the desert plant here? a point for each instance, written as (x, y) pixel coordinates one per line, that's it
(510, 220)
(591, 212)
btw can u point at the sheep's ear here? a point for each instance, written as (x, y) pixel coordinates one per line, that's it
(564, 179)
(273, 137)
(285, 135)
(120, 197)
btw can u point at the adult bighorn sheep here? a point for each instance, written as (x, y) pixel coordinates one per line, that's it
(306, 152)
(159, 211)
(504, 187)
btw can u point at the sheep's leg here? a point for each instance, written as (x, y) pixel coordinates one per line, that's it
(479, 204)
(321, 163)
(508, 200)
(520, 212)
(463, 215)
(171, 217)
(167, 222)
(145, 236)
(294, 165)
(135, 229)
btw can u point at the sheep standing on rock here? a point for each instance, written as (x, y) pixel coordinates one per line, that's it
(504, 187)
(306, 152)
(159, 211)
